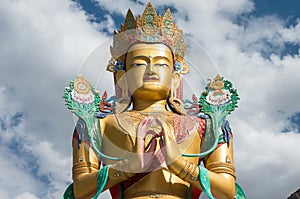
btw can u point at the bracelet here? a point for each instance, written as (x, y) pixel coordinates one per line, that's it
(192, 174)
(183, 173)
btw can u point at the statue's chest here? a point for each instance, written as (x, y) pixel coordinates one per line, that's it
(181, 126)
(124, 135)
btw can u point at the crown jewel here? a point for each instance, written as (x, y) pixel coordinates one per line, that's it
(149, 28)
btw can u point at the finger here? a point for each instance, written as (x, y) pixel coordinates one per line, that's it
(141, 146)
(142, 127)
(167, 135)
(140, 150)
(162, 148)
(144, 124)
(164, 126)
(157, 120)
(147, 121)
(140, 142)
(149, 155)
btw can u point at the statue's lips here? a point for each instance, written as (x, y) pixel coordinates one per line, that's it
(151, 78)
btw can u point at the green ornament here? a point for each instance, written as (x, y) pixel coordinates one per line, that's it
(217, 101)
(83, 100)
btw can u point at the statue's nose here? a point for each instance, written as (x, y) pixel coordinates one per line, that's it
(150, 69)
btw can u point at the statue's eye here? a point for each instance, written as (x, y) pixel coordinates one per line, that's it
(162, 64)
(138, 64)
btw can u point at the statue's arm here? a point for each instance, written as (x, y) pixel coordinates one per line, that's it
(85, 170)
(220, 174)
(221, 170)
(86, 167)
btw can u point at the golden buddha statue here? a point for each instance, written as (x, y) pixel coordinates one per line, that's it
(154, 149)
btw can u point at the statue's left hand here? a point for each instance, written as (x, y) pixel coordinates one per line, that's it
(171, 151)
(138, 161)
(143, 160)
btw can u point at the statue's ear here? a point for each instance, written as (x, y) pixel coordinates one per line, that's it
(121, 79)
(176, 78)
(123, 101)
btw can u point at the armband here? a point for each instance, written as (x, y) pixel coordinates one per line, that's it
(83, 167)
(101, 181)
(222, 167)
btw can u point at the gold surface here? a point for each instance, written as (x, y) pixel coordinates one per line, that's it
(149, 69)
(146, 75)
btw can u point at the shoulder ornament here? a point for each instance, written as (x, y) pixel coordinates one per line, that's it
(217, 101)
(83, 100)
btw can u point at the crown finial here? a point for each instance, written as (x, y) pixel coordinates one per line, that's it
(168, 25)
(149, 21)
(130, 21)
(150, 28)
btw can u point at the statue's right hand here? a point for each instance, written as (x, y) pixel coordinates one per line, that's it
(139, 161)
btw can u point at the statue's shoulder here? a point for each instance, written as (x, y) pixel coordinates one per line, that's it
(116, 124)
(108, 121)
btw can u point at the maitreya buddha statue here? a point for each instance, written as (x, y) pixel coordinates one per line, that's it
(143, 143)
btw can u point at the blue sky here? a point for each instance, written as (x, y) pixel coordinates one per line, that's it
(285, 9)
(288, 11)
(255, 44)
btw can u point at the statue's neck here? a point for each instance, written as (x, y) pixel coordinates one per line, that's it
(149, 106)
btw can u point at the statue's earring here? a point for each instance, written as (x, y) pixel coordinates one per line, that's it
(124, 100)
(114, 66)
(175, 103)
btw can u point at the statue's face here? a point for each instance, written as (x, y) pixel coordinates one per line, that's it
(149, 71)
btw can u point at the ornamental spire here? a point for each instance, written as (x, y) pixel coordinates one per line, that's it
(150, 28)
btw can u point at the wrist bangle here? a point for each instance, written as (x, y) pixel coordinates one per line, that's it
(185, 170)
(192, 174)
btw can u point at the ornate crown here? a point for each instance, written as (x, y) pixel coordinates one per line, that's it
(148, 28)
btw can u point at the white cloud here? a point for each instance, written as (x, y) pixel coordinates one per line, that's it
(29, 165)
(43, 44)
(252, 38)
(267, 162)
(26, 195)
(292, 33)
(107, 24)
(13, 179)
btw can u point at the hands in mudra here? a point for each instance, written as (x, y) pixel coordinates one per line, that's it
(161, 147)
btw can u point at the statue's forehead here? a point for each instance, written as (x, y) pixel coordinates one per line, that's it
(149, 50)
